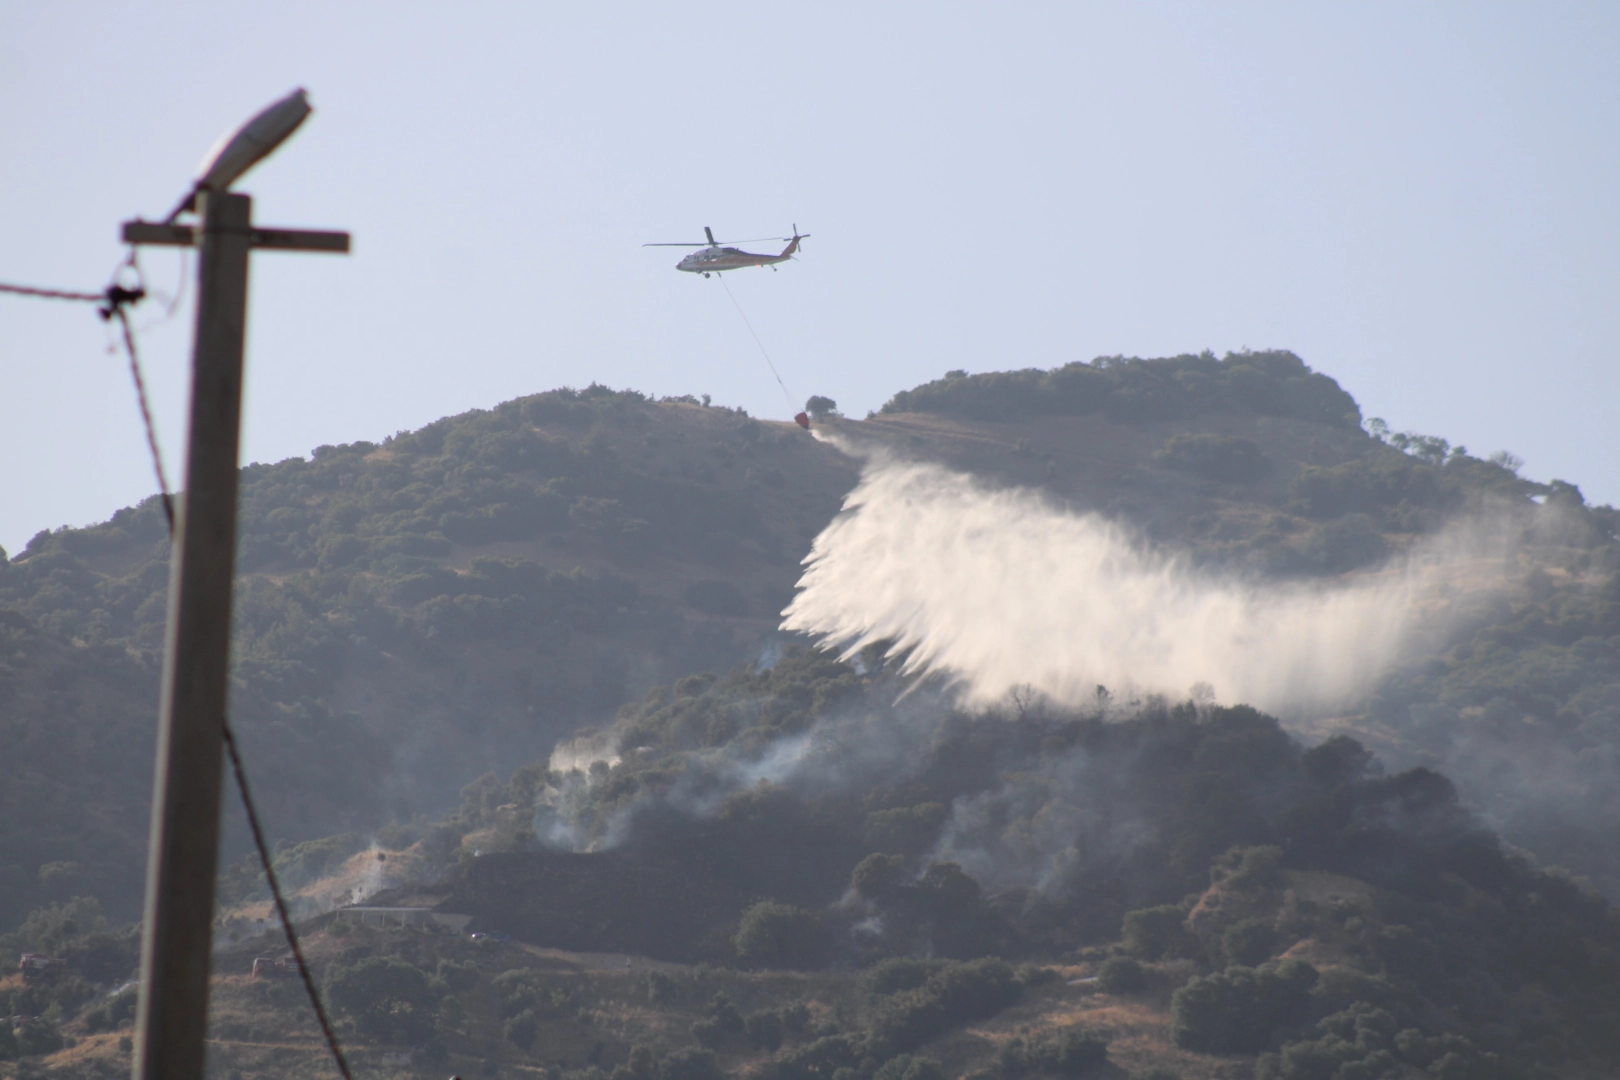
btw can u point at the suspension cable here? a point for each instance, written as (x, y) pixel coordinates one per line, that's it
(785, 393)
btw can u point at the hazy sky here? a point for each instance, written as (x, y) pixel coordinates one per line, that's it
(1422, 200)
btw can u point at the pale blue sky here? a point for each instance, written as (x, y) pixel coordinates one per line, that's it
(1422, 200)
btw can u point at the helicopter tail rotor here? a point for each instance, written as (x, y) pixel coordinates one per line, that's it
(793, 242)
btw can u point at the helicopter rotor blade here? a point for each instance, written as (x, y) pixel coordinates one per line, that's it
(718, 243)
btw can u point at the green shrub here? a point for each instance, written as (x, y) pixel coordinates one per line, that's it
(1135, 390)
(52, 928)
(640, 1065)
(764, 1029)
(1077, 1053)
(821, 1059)
(386, 997)
(36, 1037)
(896, 974)
(112, 1012)
(1250, 869)
(708, 1034)
(1238, 1010)
(1080, 1052)
(1248, 942)
(522, 1029)
(724, 1012)
(907, 1067)
(1360, 1043)
(691, 1063)
(1122, 975)
(1351, 542)
(1157, 933)
(518, 989)
(1341, 988)
(776, 935)
(721, 1021)
(796, 1018)
(1213, 457)
(956, 994)
(1371, 484)
(459, 977)
(300, 864)
(661, 987)
(878, 875)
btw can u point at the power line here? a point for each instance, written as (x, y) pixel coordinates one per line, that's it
(115, 300)
(52, 294)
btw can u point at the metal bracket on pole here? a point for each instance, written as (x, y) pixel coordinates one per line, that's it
(177, 936)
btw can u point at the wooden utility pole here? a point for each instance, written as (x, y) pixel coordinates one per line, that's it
(182, 860)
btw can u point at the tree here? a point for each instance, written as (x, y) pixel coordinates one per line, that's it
(764, 1030)
(1248, 942)
(1122, 975)
(1157, 932)
(1507, 459)
(780, 935)
(522, 1029)
(820, 407)
(692, 1063)
(386, 997)
(907, 1067)
(51, 928)
(878, 875)
(1238, 1010)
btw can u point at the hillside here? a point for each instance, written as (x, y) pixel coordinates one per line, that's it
(557, 581)
(1181, 889)
(411, 615)
(625, 542)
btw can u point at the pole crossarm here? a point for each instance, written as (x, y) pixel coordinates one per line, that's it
(169, 235)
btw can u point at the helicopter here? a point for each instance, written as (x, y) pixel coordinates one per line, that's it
(715, 257)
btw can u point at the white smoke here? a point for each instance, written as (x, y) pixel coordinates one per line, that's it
(581, 752)
(847, 750)
(1001, 590)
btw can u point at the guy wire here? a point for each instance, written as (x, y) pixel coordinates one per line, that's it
(281, 904)
(146, 414)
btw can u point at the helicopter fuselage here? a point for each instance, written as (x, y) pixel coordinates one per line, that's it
(715, 259)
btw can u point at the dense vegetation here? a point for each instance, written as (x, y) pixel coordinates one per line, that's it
(1134, 390)
(417, 612)
(1255, 464)
(382, 658)
(1302, 903)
